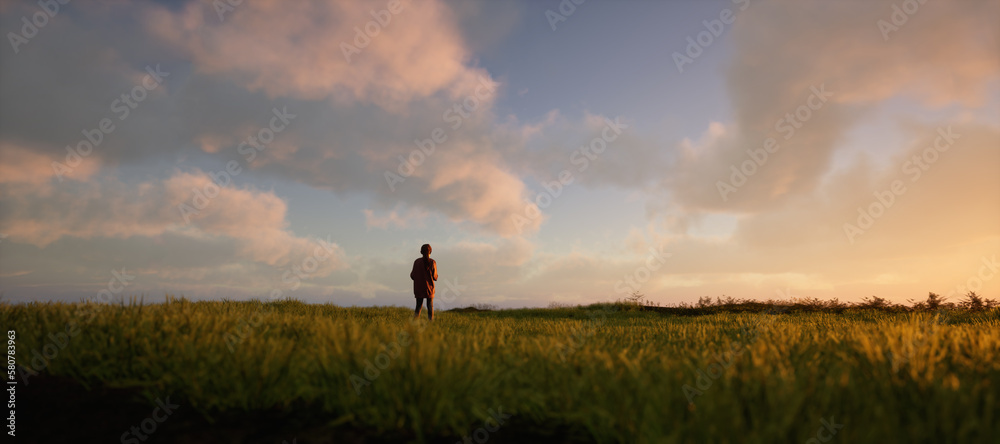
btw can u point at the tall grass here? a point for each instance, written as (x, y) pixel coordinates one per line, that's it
(887, 377)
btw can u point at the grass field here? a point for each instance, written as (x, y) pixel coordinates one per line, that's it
(287, 371)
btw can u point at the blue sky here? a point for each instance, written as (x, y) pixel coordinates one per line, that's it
(649, 213)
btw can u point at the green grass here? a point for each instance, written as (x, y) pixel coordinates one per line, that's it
(601, 374)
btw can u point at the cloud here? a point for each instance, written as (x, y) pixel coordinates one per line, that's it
(358, 119)
(791, 213)
(398, 217)
(297, 49)
(598, 150)
(355, 118)
(26, 166)
(926, 237)
(108, 208)
(945, 54)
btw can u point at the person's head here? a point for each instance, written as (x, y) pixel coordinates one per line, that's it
(425, 249)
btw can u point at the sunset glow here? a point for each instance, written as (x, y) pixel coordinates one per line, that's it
(548, 153)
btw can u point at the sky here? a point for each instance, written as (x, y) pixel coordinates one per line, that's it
(549, 151)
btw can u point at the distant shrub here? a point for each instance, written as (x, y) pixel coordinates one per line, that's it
(874, 302)
(975, 302)
(934, 302)
(636, 298)
(707, 305)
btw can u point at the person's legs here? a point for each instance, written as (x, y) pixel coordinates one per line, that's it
(430, 309)
(416, 311)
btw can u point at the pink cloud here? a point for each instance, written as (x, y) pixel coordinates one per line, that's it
(24, 166)
(108, 208)
(294, 49)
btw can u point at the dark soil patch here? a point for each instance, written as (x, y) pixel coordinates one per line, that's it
(56, 409)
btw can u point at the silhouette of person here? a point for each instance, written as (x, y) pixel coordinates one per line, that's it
(424, 274)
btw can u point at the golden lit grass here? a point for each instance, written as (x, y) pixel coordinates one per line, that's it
(610, 376)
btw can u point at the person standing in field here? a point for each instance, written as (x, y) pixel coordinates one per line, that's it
(424, 274)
